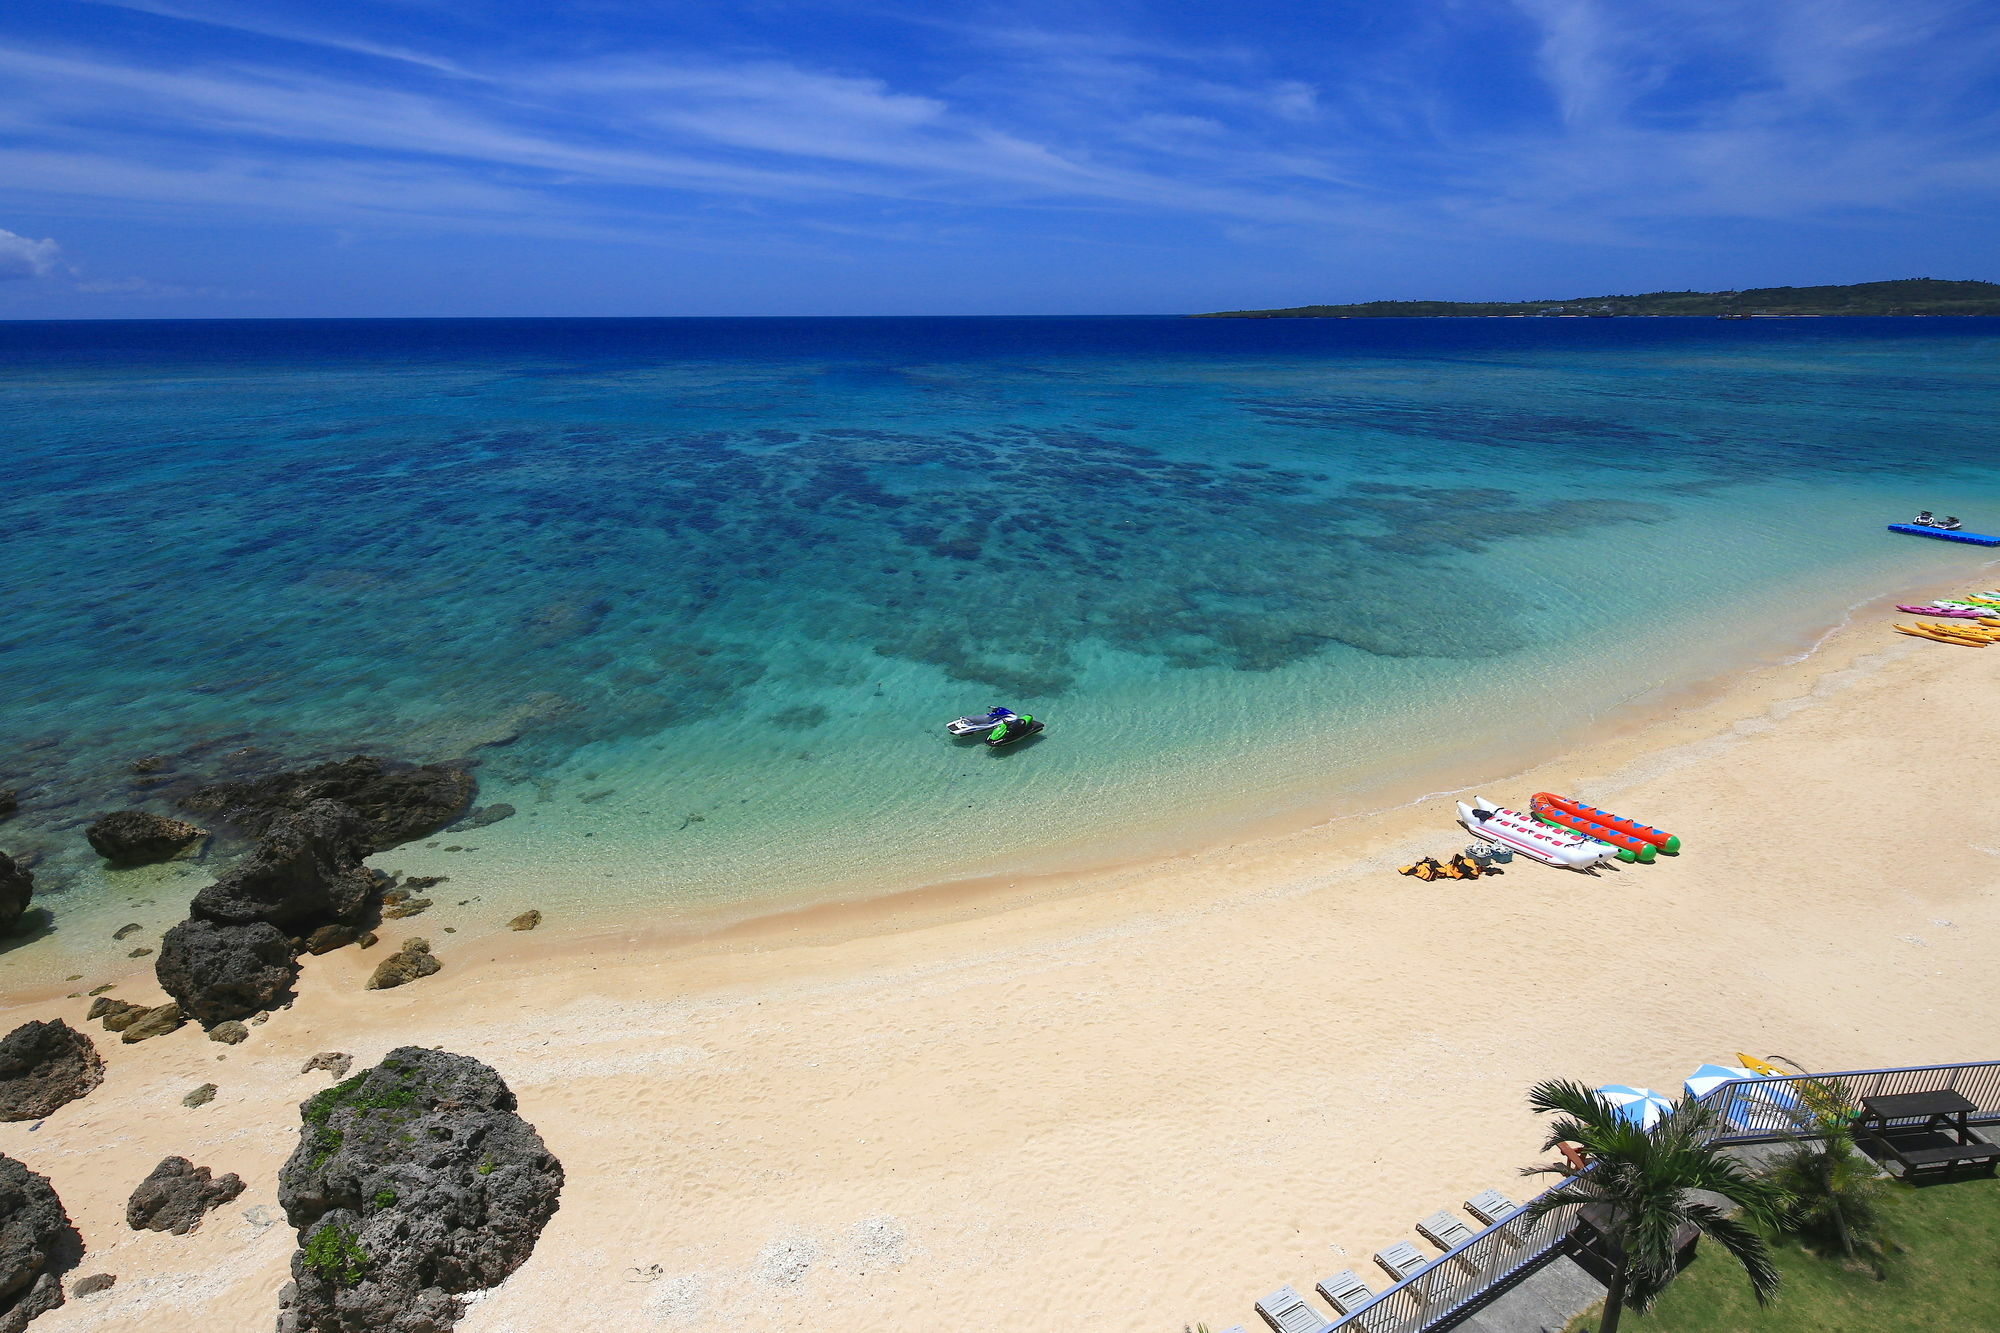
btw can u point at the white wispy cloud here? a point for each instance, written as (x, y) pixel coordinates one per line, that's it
(24, 257)
(1628, 116)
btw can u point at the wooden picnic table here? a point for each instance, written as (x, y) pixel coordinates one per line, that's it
(1942, 1140)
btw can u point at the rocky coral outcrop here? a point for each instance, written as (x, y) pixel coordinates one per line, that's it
(414, 1183)
(306, 871)
(330, 937)
(405, 965)
(44, 1066)
(336, 1063)
(177, 1195)
(395, 802)
(219, 972)
(17, 889)
(528, 920)
(137, 838)
(38, 1244)
(154, 1022)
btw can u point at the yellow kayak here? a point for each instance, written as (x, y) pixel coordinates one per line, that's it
(1936, 636)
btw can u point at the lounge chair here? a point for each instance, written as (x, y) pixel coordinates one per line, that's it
(1444, 1230)
(1489, 1206)
(1400, 1260)
(1344, 1291)
(1287, 1312)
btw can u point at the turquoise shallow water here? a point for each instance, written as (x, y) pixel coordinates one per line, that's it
(697, 594)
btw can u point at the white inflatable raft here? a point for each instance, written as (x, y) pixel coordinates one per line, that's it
(1511, 828)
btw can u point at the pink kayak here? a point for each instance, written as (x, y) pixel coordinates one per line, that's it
(1951, 612)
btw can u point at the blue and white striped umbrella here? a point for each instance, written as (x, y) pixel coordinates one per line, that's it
(1642, 1106)
(1710, 1077)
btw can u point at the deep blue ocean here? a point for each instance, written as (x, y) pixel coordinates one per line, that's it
(697, 594)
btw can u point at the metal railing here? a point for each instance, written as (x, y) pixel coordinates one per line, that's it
(1758, 1110)
(1751, 1111)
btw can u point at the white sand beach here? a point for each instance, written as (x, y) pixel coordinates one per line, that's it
(1134, 1099)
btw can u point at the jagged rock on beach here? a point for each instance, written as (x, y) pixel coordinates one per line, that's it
(129, 928)
(38, 1244)
(220, 972)
(407, 907)
(305, 871)
(141, 951)
(136, 838)
(17, 890)
(416, 882)
(395, 802)
(117, 1014)
(201, 1096)
(177, 1195)
(336, 1063)
(405, 965)
(414, 1184)
(44, 1066)
(230, 1033)
(528, 920)
(330, 937)
(148, 1023)
(96, 1282)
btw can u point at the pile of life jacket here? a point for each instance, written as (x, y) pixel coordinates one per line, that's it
(1460, 866)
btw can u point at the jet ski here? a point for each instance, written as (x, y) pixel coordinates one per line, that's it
(978, 724)
(1016, 727)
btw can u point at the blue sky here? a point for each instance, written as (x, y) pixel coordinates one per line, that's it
(433, 157)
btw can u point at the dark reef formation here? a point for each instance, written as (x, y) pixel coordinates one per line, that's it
(17, 890)
(413, 1183)
(38, 1245)
(44, 1066)
(177, 1195)
(305, 872)
(218, 972)
(137, 838)
(394, 803)
(303, 886)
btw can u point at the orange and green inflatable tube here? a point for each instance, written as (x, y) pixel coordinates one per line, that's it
(1641, 840)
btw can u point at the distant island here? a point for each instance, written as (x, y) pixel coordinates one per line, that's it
(1907, 296)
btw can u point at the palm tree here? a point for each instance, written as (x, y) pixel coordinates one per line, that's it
(1833, 1192)
(1644, 1180)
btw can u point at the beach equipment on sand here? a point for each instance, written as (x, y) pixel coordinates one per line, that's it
(1712, 1076)
(1642, 1106)
(1510, 828)
(1938, 635)
(1444, 1231)
(1946, 612)
(1287, 1312)
(1400, 1260)
(1344, 1291)
(1946, 534)
(1489, 1206)
(1634, 841)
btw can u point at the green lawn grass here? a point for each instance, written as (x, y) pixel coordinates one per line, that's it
(1943, 1273)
